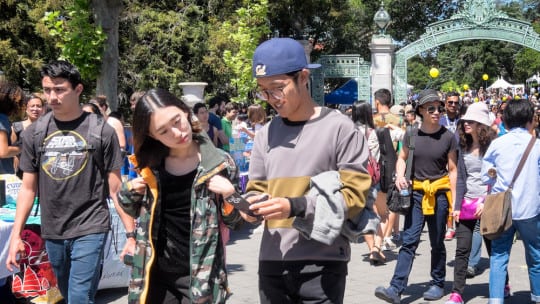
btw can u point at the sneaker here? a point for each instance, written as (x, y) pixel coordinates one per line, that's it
(507, 291)
(471, 272)
(450, 234)
(388, 244)
(433, 293)
(389, 294)
(455, 298)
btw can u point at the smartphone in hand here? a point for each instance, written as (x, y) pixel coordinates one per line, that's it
(240, 203)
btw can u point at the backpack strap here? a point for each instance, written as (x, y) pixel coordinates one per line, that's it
(411, 133)
(40, 131)
(94, 142)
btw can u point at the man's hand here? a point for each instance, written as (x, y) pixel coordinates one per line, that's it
(129, 248)
(16, 247)
(272, 209)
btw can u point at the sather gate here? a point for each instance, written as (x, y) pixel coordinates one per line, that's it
(478, 19)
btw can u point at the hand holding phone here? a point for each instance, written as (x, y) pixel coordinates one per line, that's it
(240, 203)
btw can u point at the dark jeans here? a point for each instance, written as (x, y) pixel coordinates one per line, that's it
(412, 229)
(168, 287)
(464, 235)
(311, 287)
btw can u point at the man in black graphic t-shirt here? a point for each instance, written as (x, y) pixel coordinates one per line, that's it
(73, 185)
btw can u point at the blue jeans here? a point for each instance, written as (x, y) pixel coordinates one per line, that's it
(77, 265)
(529, 231)
(412, 230)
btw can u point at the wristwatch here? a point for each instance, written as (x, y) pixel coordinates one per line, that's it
(131, 235)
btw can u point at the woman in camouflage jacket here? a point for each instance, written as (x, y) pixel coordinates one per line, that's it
(177, 248)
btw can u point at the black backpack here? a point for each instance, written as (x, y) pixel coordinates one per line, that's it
(388, 158)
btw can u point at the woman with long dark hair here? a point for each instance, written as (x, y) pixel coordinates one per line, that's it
(179, 201)
(362, 116)
(475, 136)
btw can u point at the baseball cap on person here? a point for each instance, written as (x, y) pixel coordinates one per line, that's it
(479, 113)
(279, 56)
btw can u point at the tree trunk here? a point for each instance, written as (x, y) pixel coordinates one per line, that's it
(107, 14)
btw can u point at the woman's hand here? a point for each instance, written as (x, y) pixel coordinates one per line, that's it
(220, 185)
(455, 214)
(137, 185)
(479, 210)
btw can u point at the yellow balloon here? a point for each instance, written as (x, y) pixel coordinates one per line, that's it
(476, 99)
(504, 98)
(466, 87)
(485, 77)
(434, 73)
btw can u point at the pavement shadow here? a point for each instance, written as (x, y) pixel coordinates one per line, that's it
(231, 268)
(243, 233)
(109, 295)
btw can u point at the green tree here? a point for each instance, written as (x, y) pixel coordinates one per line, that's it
(245, 34)
(79, 39)
(24, 44)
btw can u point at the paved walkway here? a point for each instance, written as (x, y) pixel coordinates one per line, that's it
(242, 254)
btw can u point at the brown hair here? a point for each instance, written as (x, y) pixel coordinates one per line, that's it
(256, 114)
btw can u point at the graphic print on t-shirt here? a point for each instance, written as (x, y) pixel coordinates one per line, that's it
(65, 154)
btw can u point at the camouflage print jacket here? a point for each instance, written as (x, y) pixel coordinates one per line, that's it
(208, 269)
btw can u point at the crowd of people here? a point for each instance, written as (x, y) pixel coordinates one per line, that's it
(311, 182)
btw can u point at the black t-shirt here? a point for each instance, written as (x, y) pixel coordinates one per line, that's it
(175, 226)
(430, 159)
(73, 196)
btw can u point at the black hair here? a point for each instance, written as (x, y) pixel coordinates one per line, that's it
(150, 152)
(217, 100)
(62, 69)
(197, 106)
(11, 97)
(384, 97)
(95, 108)
(362, 113)
(518, 113)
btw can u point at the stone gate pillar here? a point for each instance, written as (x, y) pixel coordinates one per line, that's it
(382, 54)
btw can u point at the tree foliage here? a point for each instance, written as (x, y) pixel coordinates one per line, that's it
(24, 44)
(165, 42)
(245, 34)
(79, 39)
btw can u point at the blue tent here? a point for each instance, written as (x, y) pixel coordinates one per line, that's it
(346, 94)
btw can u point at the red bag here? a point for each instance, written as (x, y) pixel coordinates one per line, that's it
(373, 166)
(36, 282)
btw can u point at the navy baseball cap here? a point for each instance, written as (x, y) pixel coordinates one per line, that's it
(279, 56)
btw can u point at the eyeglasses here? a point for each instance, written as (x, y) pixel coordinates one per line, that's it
(275, 93)
(432, 109)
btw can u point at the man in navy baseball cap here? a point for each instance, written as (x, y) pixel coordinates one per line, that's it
(279, 56)
(306, 143)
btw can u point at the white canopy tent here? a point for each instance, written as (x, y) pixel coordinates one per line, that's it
(501, 84)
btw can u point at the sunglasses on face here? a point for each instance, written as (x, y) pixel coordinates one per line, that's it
(453, 102)
(432, 109)
(469, 122)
